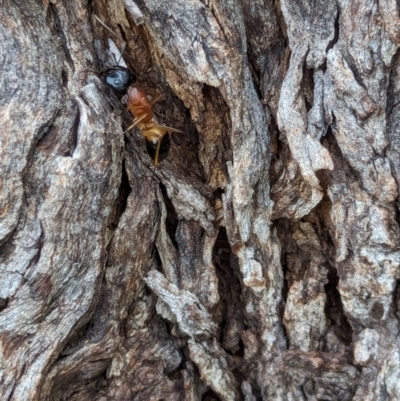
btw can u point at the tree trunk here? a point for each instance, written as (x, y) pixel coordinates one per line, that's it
(259, 260)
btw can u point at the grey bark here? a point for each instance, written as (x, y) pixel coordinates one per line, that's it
(259, 261)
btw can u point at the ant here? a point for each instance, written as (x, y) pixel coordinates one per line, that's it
(121, 81)
(141, 108)
(118, 79)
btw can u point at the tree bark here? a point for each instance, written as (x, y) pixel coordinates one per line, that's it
(259, 260)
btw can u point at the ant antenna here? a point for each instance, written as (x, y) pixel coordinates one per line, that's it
(122, 52)
(108, 29)
(104, 25)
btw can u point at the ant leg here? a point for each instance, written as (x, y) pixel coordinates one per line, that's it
(154, 101)
(157, 132)
(111, 31)
(152, 136)
(104, 25)
(136, 121)
(163, 129)
(155, 161)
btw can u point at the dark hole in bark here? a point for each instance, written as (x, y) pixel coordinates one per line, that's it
(283, 228)
(60, 139)
(217, 108)
(255, 72)
(285, 291)
(171, 222)
(3, 303)
(64, 76)
(7, 251)
(122, 199)
(377, 311)
(335, 37)
(122, 32)
(156, 256)
(273, 131)
(43, 132)
(176, 374)
(229, 291)
(393, 98)
(334, 308)
(396, 300)
(69, 388)
(75, 342)
(341, 166)
(217, 194)
(240, 352)
(73, 135)
(50, 16)
(308, 87)
(210, 396)
(4, 241)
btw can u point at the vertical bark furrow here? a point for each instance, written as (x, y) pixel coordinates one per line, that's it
(54, 301)
(363, 206)
(30, 97)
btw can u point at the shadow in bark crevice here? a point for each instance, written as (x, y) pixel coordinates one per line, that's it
(335, 37)
(4, 303)
(276, 147)
(392, 95)
(54, 20)
(120, 205)
(396, 301)
(171, 222)
(53, 140)
(334, 311)
(231, 317)
(281, 20)
(255, 72)
(341, 165)
(334, 308)
(218, 113)
(76, 341)
(282, 226)
(307, 87)
(122, 199)
(210, 396)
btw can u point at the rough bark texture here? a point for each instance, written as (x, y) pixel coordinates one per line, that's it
(259, 261)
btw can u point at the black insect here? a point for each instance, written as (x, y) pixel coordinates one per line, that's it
(118, 79)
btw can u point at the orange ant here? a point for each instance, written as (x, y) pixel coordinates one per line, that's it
(141, 108)
(120, 80)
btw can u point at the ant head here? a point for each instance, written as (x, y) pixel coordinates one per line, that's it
(118, 79)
